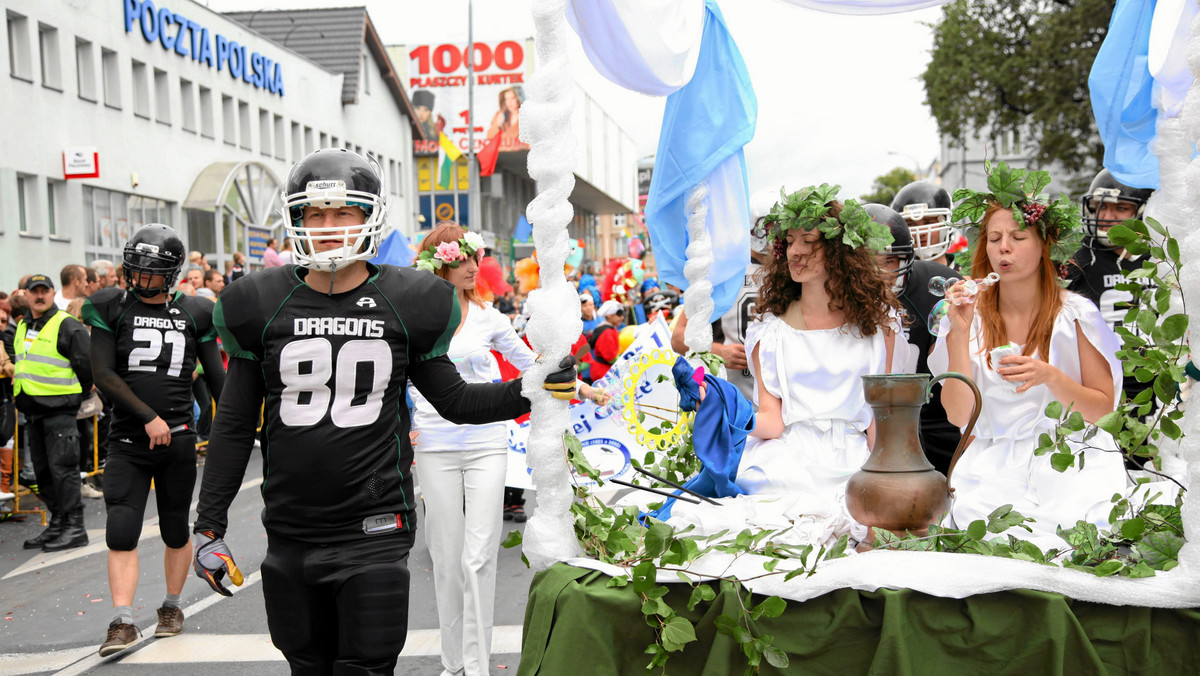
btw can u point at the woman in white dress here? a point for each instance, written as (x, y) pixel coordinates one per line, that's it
(1067, 354)
(461, 468)
(826, 318)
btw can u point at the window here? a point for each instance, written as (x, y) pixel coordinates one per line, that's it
(23, 204)
(333, 141)
(244, 124)
(308, 140)
(229, 121)
(280, 139)
(366, 73)
(51, 63)
(109, 218)
(85, 69)
(53, 199)
(264, 132)
(187, 105)
(324, 141)
(141, 90)
(162, 96)
(206, 112)
(391, 176)
(110, 69)
(18, 47)
(297, 142)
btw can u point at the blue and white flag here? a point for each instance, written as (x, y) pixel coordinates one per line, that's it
(1122, 90)
(705, 125)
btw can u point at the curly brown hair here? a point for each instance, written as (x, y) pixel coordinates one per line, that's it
(854, 284)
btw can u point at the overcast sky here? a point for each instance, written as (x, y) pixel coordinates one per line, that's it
(839, 97)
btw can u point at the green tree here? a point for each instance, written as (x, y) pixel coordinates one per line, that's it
(1020, 64)
(886, 186)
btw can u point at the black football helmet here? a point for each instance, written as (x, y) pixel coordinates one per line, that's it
(919, 200)
(330, 178)
(902, 241)
(1106, 189)
(153, 251)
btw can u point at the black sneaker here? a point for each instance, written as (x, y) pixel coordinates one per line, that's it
(515, 513)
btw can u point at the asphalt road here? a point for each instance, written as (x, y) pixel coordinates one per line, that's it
(56, 607)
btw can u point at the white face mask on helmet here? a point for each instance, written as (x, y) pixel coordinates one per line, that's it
(923, 236)
(333, 178)
(761, 203)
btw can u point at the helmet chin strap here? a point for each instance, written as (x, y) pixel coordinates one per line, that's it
(332, 272)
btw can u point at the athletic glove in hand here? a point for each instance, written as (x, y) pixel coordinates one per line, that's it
(213, 561)
(561, 383)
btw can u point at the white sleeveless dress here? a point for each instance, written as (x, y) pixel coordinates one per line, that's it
(817, 376)
(1000, 467)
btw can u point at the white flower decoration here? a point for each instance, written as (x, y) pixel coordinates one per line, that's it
(474, 240)
(423, 264)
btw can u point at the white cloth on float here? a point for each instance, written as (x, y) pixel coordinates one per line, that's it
(799, 479)
(1000, 466)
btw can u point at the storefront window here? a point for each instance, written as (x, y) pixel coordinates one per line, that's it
(110, 217)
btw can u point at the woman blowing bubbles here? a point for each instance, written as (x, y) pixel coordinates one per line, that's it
(1064, 352)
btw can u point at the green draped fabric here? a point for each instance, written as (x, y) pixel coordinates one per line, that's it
(574, 624)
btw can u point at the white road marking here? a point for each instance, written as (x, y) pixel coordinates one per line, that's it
(43, 560)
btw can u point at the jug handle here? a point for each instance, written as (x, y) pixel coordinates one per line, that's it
(966, 437)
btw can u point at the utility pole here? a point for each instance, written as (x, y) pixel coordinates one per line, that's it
(476, 224)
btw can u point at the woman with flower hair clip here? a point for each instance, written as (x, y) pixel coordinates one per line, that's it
(826, 318)
(462, 468)
(1058, 348)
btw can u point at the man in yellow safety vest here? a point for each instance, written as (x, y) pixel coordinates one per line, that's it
(53, 371)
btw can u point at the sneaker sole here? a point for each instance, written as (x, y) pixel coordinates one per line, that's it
(113, 649)
(167, 634)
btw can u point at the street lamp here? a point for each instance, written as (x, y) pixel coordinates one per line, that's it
(917, 171)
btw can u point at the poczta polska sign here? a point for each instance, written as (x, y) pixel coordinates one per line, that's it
(185, 37)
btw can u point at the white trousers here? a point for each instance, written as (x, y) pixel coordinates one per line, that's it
(464, 514)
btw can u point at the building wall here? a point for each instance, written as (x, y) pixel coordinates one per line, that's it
(153, 136)
(963, 167)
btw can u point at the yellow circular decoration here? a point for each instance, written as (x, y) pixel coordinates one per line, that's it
(668, 433)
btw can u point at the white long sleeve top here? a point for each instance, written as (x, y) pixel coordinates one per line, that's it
(483, 329)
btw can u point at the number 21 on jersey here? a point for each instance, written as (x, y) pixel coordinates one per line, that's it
(143, 358)
(315, 382)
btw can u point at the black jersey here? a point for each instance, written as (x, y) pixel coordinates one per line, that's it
(939, 436)
(1094, 273)
(334, 437)
(156, 349)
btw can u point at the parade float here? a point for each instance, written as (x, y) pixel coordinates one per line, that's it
(620, 590)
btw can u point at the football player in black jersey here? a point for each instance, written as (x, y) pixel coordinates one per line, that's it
(910, 282)
(145, 345)
(1099, 265)
(927, 208)
(330, 344)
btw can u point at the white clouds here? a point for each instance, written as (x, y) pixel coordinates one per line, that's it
(835, 93)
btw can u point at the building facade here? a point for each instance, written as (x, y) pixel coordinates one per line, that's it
(125, 112)
(962, 166)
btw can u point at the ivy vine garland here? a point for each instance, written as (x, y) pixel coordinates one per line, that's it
(809, 208)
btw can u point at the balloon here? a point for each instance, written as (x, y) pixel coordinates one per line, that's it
(575, 257)
(526, 271)
(625, 339)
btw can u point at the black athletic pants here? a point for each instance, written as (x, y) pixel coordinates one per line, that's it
(54, 447)
(340, 608)
(127, 476)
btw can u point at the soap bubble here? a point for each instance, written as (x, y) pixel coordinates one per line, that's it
(935, 317)
(938, 286)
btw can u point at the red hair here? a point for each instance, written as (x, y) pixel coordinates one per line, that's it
(1048, 302)
(449, 231)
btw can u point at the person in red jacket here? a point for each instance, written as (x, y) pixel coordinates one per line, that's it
(605, 341)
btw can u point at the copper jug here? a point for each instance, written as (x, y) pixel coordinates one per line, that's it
(897, 488)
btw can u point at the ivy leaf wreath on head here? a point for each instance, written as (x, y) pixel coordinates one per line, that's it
(450, 254)
(1021, 191)
(808, 209)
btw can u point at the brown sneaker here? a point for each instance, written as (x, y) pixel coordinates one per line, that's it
(170, 622)
(120, 636)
